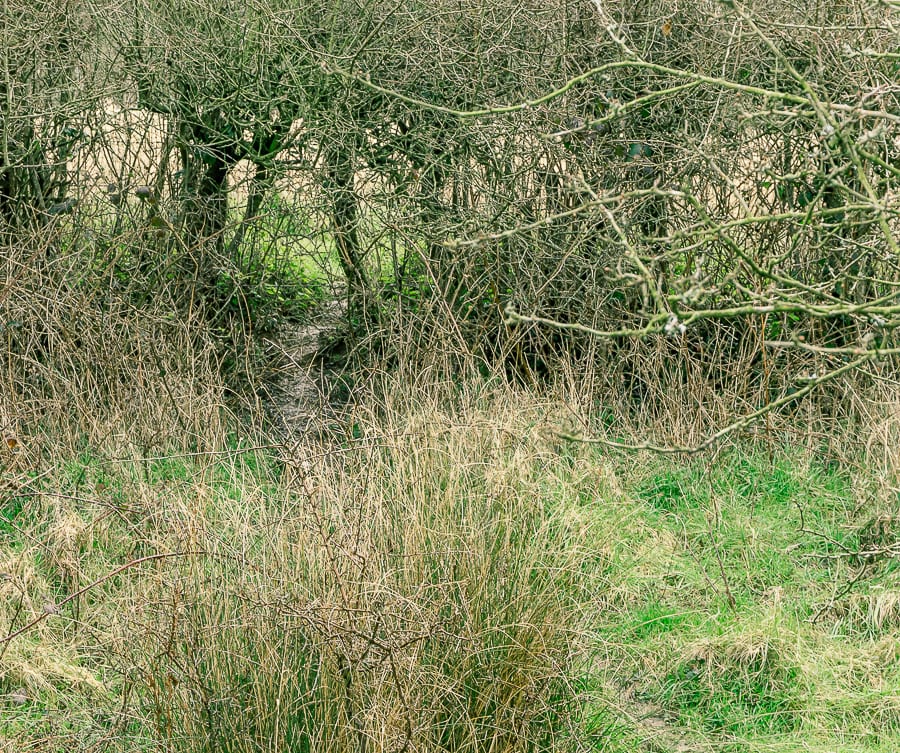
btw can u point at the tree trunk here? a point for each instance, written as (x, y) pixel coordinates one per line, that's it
(204, 199)
(339, 184)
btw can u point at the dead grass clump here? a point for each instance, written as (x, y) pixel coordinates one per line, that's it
(414, 589)
(874, 613)
(90, 358)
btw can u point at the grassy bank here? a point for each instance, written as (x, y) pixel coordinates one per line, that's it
(448, 579)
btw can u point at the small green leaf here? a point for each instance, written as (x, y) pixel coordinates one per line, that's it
(637, 150)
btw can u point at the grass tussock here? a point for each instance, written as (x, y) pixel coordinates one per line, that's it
(424, 586)
(91, 359)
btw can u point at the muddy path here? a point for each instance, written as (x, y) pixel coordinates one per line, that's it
(303, 396)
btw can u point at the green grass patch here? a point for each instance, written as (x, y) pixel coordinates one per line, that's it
(727, 613)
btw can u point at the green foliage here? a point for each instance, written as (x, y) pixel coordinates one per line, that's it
(654, 619)
(768, 672)
(748, 689)
(267, 298)
(671, 490)
(10, 511)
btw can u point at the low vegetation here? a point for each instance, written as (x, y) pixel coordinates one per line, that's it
(450, 578)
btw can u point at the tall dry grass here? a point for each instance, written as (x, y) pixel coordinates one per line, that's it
(424, 586)
(91, 356)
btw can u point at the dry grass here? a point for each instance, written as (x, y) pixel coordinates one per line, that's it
(442, 573)
(416, 589)
(447, 575)
(90, 358)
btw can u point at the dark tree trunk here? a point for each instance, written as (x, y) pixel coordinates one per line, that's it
(259, 187)
(204, 201)
(206, 164)
(345, 226)
(25, 185)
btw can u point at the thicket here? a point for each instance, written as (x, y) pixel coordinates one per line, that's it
(694, 209)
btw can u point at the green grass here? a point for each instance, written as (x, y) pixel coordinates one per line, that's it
(722, 617)
(458, 570)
